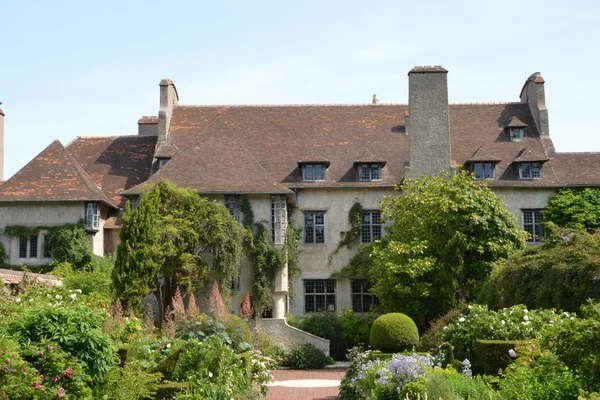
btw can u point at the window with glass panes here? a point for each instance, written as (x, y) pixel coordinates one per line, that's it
(362, 300)
(530, 170)
(319, 295)
(313, 172)
(92, 215)
(28, 246)
(371, 226)
(369, 172)
(532, 223)
(483, 170)
(278, 219)
(516, 134)
(232, 203)
(314, 227)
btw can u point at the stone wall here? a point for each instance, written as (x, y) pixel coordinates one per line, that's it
(289, 337)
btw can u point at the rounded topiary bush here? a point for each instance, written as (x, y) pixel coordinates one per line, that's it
(306, 356)
(393, 333)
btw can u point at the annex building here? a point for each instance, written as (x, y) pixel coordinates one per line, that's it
(306, 164)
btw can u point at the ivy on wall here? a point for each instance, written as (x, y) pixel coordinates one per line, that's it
(350, 237)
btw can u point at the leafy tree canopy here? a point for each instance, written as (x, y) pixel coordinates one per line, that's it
(444, 233)
(175, 238)
(575, 209)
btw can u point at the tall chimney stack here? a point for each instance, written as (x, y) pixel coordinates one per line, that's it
(428, 124)
(168, 100)
(534, 95)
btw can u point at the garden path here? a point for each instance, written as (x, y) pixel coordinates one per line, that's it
(321, 384)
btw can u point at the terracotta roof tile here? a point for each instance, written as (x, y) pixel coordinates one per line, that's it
(527, 155)
(578, 169)
(483, 154)
(53, 175)
(115, 163)
(516, 123)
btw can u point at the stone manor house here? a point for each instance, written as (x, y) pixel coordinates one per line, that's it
(314, 160)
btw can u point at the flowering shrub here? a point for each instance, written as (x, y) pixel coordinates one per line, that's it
(261, 370)
(514, 323)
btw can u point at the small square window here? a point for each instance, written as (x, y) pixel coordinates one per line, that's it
(313, 172)
(517, 134)
(530, 170)
(319, 296)
(483, 170)
(369, 172)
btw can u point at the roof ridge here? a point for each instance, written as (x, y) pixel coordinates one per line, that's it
(289, 105)
(490, 103)
(578, 152)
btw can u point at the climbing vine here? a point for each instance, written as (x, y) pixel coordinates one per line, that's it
(246, 208)
(350, 237)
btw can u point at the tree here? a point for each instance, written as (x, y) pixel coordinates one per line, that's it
(575, 209)
(444, 234)
(174, 238)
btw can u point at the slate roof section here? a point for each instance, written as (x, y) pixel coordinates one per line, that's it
(483, 154)
(115, 163)
(216, 162)
(578, 169)
(53, 175)
(527, 155)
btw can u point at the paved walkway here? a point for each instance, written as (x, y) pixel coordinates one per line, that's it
(320, 384)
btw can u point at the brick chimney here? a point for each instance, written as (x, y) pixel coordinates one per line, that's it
(1, 145)
(533, 93)
(168, 100)
(428, 125)
(148, 126)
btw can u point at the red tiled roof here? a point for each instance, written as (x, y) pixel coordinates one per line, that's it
(115, 163)
(276, 137)
(53, 175)
(483, 154)
(516, 123)
(578, 169)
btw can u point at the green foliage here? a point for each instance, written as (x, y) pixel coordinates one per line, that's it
(394, 332)
(575, 209)
(69, 243)
(3, 256)
(576, 342)
(172, 239)
(444, 235)
(350, 238)
(306, 356)
(248, 212)
(359, 265)
(292, 245)
(20, 230)
(432, 339)
(559, 274)
(356, 328)
(493, 355)
(130, 382)
(478, 323)
(96, 278)
(269, 347)
(267, 262)
(76, 329)
(448, 384)
(545, 378)
(212, 364)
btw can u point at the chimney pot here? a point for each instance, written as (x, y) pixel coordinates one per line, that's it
(375, 99)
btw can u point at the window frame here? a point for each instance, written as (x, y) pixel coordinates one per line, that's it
(312, 167)
(162, 162)
(326, 295)
(362, 294)
(278, 218)
(232, 203)
(537, 229)
(483, 165)
(372, 171)
(516, 138)
(310, 230)
(92, 215)
(29, 247)
(371, 236)
(531, 170)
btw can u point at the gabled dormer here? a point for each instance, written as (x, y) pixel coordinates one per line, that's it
(369, 167)
(529, 164)
(516, 129)
(482, 164)
(313, 167)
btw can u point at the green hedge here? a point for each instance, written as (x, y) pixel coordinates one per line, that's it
(492, 355)
(170, 390)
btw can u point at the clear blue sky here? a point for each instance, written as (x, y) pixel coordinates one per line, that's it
(75, 68)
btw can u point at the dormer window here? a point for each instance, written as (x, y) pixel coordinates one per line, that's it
(530, 170)
(313, 172)
(483, 170)
(162, 162)
(92, 216)
(369, 172)
(517, 134)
